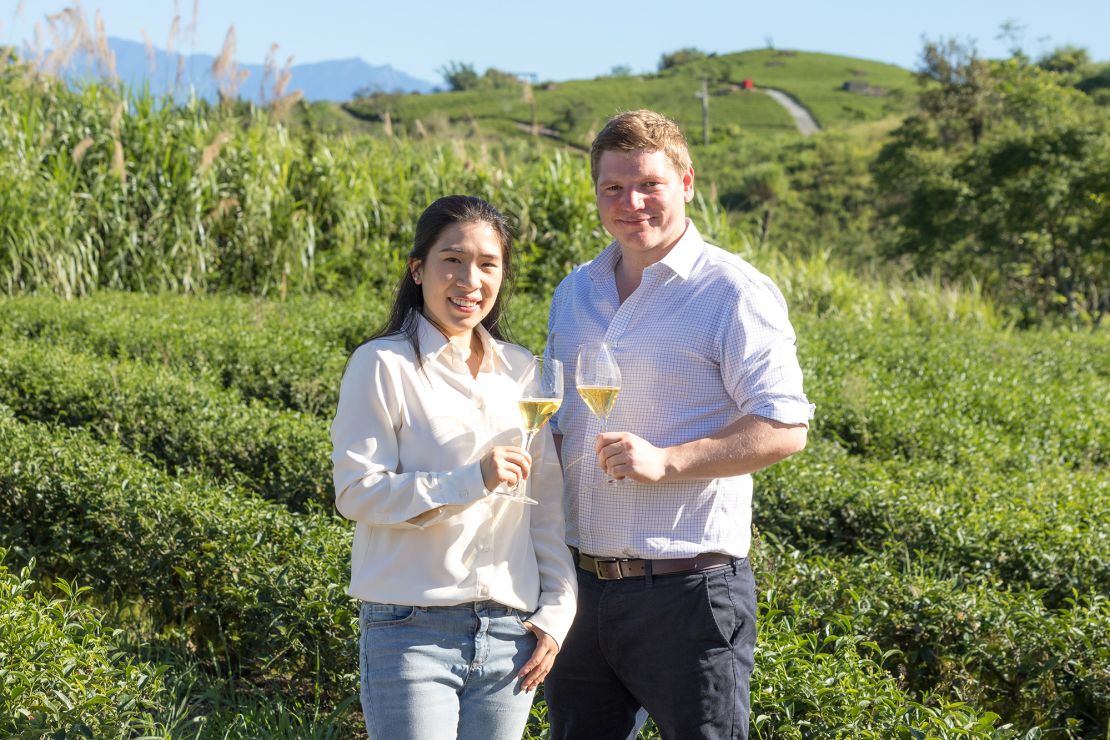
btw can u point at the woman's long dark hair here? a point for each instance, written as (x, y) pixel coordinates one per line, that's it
(409, 298)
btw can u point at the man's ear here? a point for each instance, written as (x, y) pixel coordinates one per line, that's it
(688, 183)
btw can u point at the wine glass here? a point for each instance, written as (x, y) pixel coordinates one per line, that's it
(541, 396)
(597, 378)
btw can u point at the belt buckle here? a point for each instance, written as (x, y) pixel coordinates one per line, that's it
(608, 574)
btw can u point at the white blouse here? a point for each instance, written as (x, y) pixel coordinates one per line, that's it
(408, 443)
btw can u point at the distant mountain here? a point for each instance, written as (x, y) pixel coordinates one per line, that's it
(331, 80)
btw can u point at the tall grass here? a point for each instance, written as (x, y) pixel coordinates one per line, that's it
(107, 189)
(112, 189)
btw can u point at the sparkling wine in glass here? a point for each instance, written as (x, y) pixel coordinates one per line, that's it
(597, 378)
(541, 396)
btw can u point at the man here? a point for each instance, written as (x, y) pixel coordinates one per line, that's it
(711, 392)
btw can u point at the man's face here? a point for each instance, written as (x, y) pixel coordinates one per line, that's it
(642, 202)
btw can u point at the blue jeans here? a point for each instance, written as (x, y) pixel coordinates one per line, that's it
(444, 671)
(681, 647)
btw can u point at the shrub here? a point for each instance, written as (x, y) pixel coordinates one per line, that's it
(966, 635)
(822, 681)
(1043, 529)
(246, 582)
(181, 421)
(64, 673)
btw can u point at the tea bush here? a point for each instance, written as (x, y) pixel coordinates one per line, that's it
(245, 581)
(64, 674)
(959, 393)
(823, 683)
(952, 506)
(181, 421)
(1045, 529)
(993, 645)
(289, 355)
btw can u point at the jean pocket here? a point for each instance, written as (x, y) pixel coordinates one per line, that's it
(383, 615)
(518, 619)
(724, 618)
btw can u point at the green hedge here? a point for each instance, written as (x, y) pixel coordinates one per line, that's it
(952, 505)
(1044, 528)
(960, 394)
(953, 391)
(289, 355)
(246, 581)
(181, 421)
(62, 671)
(966, 636)
(813, 682)
(264, 587)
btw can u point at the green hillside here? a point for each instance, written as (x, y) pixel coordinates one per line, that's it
(575, 110)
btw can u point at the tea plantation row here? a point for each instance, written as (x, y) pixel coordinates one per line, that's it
(940, 554)
(264, 585)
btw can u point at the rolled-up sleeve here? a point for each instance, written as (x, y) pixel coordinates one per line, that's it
(366, 456)
(759, 359)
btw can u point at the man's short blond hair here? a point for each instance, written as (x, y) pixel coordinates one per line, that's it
(641, 130)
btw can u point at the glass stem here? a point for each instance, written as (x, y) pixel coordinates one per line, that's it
(529, 435)
(604, 425)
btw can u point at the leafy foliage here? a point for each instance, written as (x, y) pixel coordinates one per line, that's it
(1066, 59)
(251, 586)
(182, 422)
(957, 635)
(937, 430)
(1004, 175)
(961, 100)
(680, 57)
(63, 670)
(460, 76)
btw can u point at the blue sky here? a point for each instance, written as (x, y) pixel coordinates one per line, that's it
(574, 39)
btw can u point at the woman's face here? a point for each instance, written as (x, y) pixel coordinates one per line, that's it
(460, 277)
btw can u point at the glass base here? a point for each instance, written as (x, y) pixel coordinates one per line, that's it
(515, 493)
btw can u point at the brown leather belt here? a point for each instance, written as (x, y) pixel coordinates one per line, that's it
(615, 569)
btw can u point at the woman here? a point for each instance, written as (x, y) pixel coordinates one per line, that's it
(466, 593)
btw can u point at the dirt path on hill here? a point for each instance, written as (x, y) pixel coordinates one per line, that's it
(802, 117)
(550, 133)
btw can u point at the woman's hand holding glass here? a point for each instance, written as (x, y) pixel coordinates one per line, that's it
(506, 466)
(541, 394)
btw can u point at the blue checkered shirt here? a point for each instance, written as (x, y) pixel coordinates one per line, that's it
(703, 341)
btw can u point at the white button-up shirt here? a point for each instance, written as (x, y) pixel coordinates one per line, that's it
(408, 443)
(703, 341)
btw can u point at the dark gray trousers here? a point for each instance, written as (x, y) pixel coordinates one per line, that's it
(679, 646)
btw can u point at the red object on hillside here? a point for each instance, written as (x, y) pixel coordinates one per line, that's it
(747, 84)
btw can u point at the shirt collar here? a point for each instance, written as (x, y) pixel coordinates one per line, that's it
(601, 267)
(433, 343)
(680, 260)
